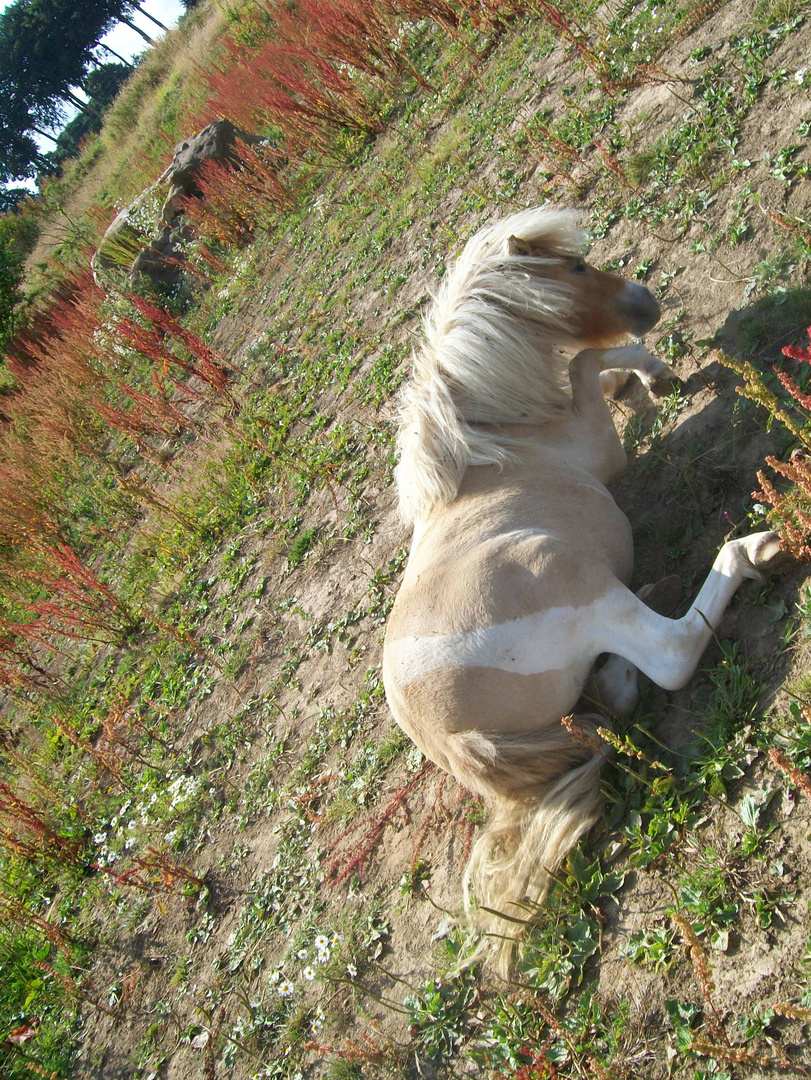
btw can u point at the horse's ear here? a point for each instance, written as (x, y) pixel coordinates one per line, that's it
(517, 246)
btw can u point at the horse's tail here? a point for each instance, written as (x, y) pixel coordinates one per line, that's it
(544, 798)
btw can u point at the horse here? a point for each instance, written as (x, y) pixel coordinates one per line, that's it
(518, 576)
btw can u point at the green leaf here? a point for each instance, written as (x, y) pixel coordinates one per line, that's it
(750, 811)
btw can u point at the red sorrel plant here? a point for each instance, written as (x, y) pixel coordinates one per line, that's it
(81, 593)
(23, 915)
(233, 199)
(204, 363)
(790, 510)
(19, 812)
(153, 872)
(350, 860)
(296, 82)
(50, 593)
(361, 35)
(169, 870)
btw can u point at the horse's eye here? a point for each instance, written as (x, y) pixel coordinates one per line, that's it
(579, 266)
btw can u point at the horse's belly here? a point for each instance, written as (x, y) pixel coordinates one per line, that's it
(486, 699)
(515, 676)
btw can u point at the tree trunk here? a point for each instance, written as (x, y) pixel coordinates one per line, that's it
(77, 101)
(150, 17)
(83, 106)
(137, 29)
(44, 134)
(118, 56)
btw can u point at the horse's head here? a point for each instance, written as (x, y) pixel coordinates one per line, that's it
(605, 306)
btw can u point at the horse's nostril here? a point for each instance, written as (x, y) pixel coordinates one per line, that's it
(640, 307)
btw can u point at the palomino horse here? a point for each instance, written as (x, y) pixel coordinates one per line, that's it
(519, 569)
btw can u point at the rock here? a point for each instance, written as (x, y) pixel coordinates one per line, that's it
(214, 143)
(162, 260)
(173, 206)
(119, 242)
(159, 261)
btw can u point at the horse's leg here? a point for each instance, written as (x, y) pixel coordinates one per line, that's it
(611, 364)
(651, 371)
(589, 404)
(615, 684)
(668, 650)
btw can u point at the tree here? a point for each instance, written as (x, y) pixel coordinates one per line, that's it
(11, 197)
(46, 52)
(12, 254)
(118, 56)
(20, 157)
(46, 48)
(102, 84)
(134, 4)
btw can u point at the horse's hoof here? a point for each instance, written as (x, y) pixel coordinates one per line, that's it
(764, 552)
(664, 382)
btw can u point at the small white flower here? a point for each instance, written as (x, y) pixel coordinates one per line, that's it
(285, 988)
(321, 942)
(351, 970)
(308, 974)
(323, 956)
(302, 954)
(799, 76)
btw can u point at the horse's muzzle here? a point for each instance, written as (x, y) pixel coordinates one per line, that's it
(640, 308)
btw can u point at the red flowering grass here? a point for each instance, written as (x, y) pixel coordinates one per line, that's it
(790, 509)
(16, 811)
(234, 199)
(313, 75)
(351, 859)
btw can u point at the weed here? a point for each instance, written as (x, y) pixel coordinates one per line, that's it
(301, 546)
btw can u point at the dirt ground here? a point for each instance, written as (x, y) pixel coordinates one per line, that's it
(684, 494)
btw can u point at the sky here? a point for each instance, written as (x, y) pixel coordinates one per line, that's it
(126, 41)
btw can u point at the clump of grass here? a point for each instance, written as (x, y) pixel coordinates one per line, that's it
(302, 545)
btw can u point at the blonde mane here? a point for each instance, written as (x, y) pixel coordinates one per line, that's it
(489, 356)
